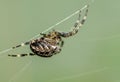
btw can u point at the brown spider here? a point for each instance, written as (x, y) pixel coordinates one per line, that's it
(51, 43)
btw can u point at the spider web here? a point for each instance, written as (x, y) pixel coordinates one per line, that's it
(80, 75)
(17, 75)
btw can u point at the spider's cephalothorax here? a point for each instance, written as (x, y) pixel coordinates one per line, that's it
(51, 43)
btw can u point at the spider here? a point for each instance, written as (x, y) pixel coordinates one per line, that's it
(51, 43)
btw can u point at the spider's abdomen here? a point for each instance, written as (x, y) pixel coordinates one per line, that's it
(43, 48)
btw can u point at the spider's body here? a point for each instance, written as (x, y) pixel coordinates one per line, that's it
(47, 45)
(51, 43)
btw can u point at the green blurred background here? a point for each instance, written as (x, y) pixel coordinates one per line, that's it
(90, 56)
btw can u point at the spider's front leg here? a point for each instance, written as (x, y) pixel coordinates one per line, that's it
(77, 25)
(21, 55)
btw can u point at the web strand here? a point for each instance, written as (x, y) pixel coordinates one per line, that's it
(53, 26)
(5, 50)
(81, 74)
(63, 20)
(17, 75)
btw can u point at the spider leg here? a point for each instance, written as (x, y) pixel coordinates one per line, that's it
(62, 43)
(21, 55)
(85, 16)
(20, 45)
(78, 21)
(77, 25)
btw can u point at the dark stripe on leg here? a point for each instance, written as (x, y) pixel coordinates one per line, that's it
(20, 45)
(21, 55)
(84, 18)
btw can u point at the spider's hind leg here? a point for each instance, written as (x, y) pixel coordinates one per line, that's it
(21, 55)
